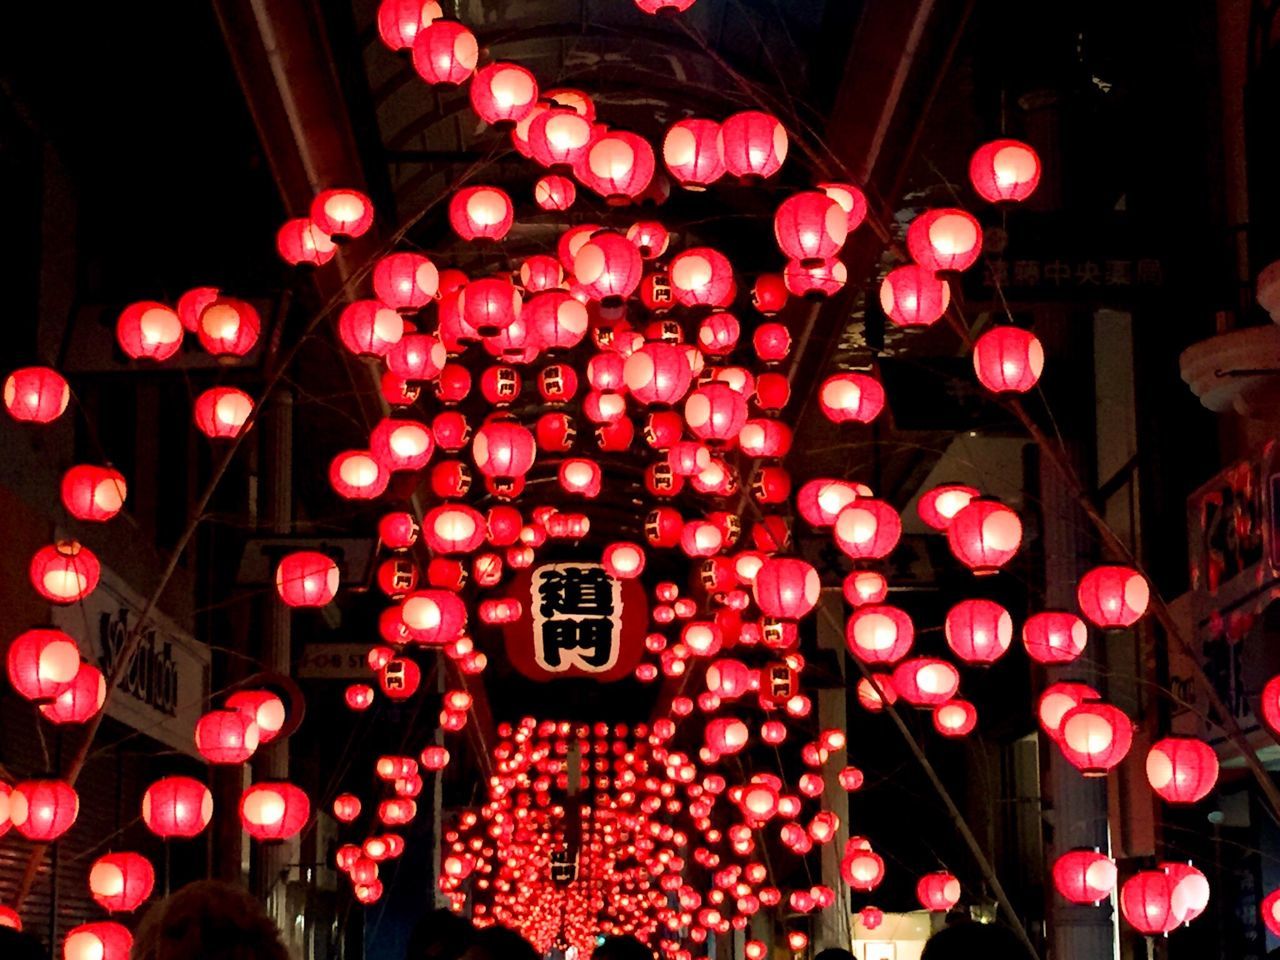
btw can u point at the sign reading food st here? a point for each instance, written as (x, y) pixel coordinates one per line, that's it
(576, 621)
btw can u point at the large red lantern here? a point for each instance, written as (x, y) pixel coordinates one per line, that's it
(985, 535)
(42, 663)
(1146, 900)
(769, 293)
(691, 151)
(945, 240)
(1113, 596)
(399, 21)
(307, 578)
(559, 137)
(192, 303)
(104, 940)
(228, 328)
(417, 357)
(356, 475)
(865, 586)
(609, 267)
(1008, 359)
(274, 810)
(810, 227)
(978, 631)
(623, 560)
(820, 501)
(1004, 170)
(481, 213)
(938, 891)
(1182, 769)
(65, 572)
(852, 201)
(955, 718)
(1054, 636)
(861, 867)
(490, 305)
(879, 633)
(43, 810)
(658, 373)
(36, 394)
(226, 736)
(913, 297)
(370, 328)
(701, 277)
(867, 529)
(554, 192)
(149, 331)
(925, 681)
(753, 145)
(445, 52)
(343, 213)
(301, 243)
(1057, 699)
(121, 881)
(503, 93)
(772, 343)
(453, 528)
(817, 282)
(618, 165)
(346, 807)
(80, 700)
(786, 587)
(845, 397)
(1190, 890)
(406, 281)
(221, 412)
(939, 505)
(401, 444)
(503, 449)
(715, 413)
(177, 807)
(557, 319)
(1095, 736)
(1084, 876)
(264, 708)
(93, 493)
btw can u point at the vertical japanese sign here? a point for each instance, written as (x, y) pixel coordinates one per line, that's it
(577, 621)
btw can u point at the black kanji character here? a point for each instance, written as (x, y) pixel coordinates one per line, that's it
(575, 591)
(590, 639)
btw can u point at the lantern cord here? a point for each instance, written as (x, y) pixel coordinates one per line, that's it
(962, 825)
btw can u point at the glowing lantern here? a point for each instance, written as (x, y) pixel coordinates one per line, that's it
(177, 807)
(664, 7)
(727, 735)
(623, 560)
(581, 477)
(650, 238)
(771, 342)
(700, 538)
(358, 696)
(758, 802)
(342, 213)
(608, 266)
(786, 588)
(43, 810)
(503, 93)
(445, 53)
(301, 243)
(617, 165)
(79, 700)
(939, 505)
(1084, 876)
(753, 145)
(274, 811)
(926, 682)
(1146, 900)
(10, 918)
(851, 779)
(913, 297)
(851, 396)
(1182, 769)
(480, 213)
(226, 736)
(984, 535)
(149, 331)
(1190, 891)
(978, 631)
(1054, 636)
(657, 373)
(701, 277)
(36, 395)
(1269, 703)
(1008, 360)
(955, 718)
(879, 633)
(817, 282)
(406, 281)
(820, 501)
(867, 529)
(42, 663)
(435, 758)
(1270, 912)
(434, 617)
(865, 586)
(810, 227)
(490, 305)
(399, 21)
(715, 413)
(401, 444)
(264, 708)
(306, 578)
(503, 449)
(1056, 701)
(93, 493)
(769, 294)
(728, 679)
(228, 328)
(1113, 596)
(554, 192)
(851, 200)
(861, 867)
(104, 940)
(121, 881)
(221, 412)
(417, 357)
(65, 572)
(559, 137)
(346, 807)
(1095, 736)
(938, 891)
(945, 240)
(356, 475)
(1004, 170)
(369, 328)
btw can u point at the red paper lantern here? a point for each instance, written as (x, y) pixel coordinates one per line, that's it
(1146, 900)
(664, 7)
(356, 475)
(786, 587)
(663, 527)
(1084, 876)
(820, 501)
(445, 52)
(346, 807)
(1057, 699)
(945, 240)
(503, 93)
(192, 303)
(608, 266)
(80, 700)
(228, 328)
(984, 535)
(358, 696)
(65, 572)
(623, 560)
(691, 151)
(540, 273)
(43, 810)
(701, 277)
(1004, 170)
(845, 397)
(1182, 769)
(810, 227)
(399, 21)
(93, 493)
(772, 344)
(401, 444)
(226, 736)
(453, 528)
(867, 529)
(149, 331)
(559, 137)
(658, 373)
(36, 395)
(264, 708)
(104, 940)
(978, 631)
(1269, 704)
(715, 413)
(370, 328)
(554, 192)
(177, 807)
(581, 477)
(481, 213)
(1008, 360)
(301, 243)
(1095, 736)
(1270, 912)
(1113, 597)
(955, 718)
(503, 449)
(406, 281)
(912, 296)
(221, 412)
(121, 881)
(342, 213)
(938, 891)
(42, 663)
(817, 282)
(1190, 890)
(718, 334)
(417, 357)
(1054, 636)
(650, 238)
(618, 165)
(769, 293)
(939, 505)
(274, 810)
(490, 305)
(852, 201)
(398, 530)
(861, 867)
(865, 586)
(879, 633)
(926, 682)
(306, 578)
(753, 145)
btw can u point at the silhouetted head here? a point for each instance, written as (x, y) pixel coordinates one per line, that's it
(622, 948)
(499, 943)
(964, 941)
(439, 935)
(208, 920)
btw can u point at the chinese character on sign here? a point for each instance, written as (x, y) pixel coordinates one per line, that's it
(577, 611)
